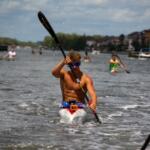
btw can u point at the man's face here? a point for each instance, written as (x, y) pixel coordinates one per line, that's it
(114, 57)
(76, 64)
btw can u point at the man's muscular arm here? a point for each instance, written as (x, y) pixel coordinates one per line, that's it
(92, 93)
(59, 72)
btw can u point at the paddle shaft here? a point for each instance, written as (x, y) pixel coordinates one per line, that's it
(48, 27)
(127, 71)
(146, 143)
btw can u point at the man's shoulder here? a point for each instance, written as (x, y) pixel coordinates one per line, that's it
(63, 72)
(111, 60)
(66, 73)
(117, 60)
(87, 77)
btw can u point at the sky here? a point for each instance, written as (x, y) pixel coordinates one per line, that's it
(18, 18)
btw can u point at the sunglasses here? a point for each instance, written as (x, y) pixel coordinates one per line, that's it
(75, 64)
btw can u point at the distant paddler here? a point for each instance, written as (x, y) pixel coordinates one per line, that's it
(87, 57)
(115, 62)
(11, 55)
(73, 104)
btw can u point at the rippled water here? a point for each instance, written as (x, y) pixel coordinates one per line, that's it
(30, 96)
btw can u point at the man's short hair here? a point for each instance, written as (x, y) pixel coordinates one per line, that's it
(74, 56)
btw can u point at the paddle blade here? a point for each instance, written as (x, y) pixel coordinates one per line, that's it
(127, 71)
(49, 28)
(47, 25)
(146, 143)
(97, 118)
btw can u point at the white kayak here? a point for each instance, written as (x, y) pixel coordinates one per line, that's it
(69, 117)
(86, 60)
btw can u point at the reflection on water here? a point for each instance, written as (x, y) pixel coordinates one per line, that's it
(30, 96)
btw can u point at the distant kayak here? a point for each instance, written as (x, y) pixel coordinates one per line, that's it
(87, 59)
(7, 58)
(10, 59)
(95, 52)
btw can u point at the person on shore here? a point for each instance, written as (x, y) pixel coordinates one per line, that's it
(87, 57)
(71, 89)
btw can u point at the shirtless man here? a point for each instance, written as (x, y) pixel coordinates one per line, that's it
(71, 90)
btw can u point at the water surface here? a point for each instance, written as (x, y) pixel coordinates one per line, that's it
(30, 96)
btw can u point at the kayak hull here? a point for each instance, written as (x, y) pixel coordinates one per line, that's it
(72, 117)
(86, 60)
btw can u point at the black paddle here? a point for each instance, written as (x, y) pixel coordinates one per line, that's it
(146, 143)
(48, 27)
(127, 71)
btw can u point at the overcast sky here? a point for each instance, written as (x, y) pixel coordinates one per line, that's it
(18, 18)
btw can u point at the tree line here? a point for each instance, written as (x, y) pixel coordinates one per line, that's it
(10, 41)
(80, 42)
